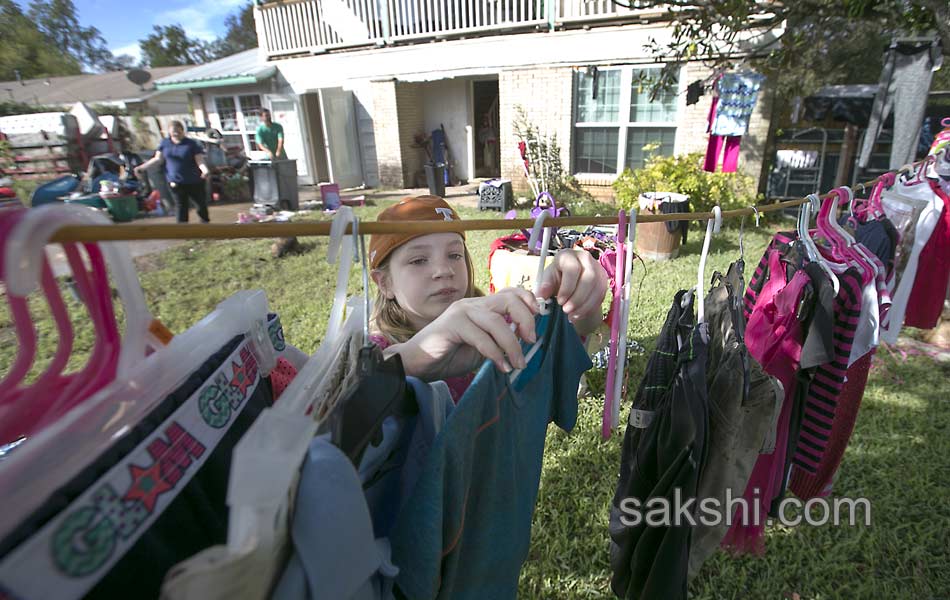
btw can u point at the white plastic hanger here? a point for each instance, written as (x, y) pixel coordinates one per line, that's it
(742, 230)
(624, 313)
(299, 394)
(24, 257)
(266, 460)
(37, 469)
(543, 305)
(712, 226)
(804, 217)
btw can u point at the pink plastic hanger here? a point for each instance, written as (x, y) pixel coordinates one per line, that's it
(610, 395)
(100, 369)
(27, 409)
(874, 204)
(849, 250)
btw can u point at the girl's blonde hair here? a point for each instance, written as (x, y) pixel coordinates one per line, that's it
(392, 321)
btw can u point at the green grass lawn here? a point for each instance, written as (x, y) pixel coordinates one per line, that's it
(899, 456)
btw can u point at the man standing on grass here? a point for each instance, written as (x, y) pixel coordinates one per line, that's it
(270, 137)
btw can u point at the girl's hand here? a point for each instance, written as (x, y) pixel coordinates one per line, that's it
(579, 284)
(468, 332)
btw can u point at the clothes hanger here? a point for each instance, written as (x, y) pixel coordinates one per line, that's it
(625, 315)
(299, 395)
(811, 250)
(266, 460)
(26, 259)
(36, 470)
(27, 409)
(375, 391)
(849, 251)
(27, 241)
(543, 305)
(712, 226)
(610, 393)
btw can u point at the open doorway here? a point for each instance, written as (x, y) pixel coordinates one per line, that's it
(485, 107)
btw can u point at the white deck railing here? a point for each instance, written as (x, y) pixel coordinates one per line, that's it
(308, 26)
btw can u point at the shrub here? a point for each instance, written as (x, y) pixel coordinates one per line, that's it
(544, 158)
(684, 174)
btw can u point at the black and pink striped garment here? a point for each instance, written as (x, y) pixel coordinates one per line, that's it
(828, 379)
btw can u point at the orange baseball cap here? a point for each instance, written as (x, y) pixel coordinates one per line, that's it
(419, 208)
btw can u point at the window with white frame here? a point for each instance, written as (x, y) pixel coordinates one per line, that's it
(239, 117)
(616, 123)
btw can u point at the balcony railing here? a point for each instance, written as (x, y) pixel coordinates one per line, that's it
(288, 27)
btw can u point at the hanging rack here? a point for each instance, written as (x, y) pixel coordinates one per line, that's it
(131, 231)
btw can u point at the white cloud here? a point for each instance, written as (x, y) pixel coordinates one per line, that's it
(201, 19)
(132, 50)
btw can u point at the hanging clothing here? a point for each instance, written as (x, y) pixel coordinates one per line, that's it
(774, 337)
(466, 528)
(664, 450)
(335, 552)
(930, 207)
(694, 91)
(156, 497)
(359, 505)
(738, 93)
(728, 148)
(743, 404)
(903, 88)
(807, 484)
(930, 289)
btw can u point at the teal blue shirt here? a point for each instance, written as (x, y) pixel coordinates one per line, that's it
(464, 532)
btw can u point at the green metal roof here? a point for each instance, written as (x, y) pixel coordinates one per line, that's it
(238, 69)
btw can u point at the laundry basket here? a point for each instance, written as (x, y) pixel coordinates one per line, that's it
(660, 241)
(122, 208)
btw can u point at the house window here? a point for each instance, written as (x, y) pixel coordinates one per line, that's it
(239, 117)
(617, 125)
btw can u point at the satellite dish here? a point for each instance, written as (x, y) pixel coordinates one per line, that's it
(138, 76)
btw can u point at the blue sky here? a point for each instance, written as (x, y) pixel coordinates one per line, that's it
(124, 23)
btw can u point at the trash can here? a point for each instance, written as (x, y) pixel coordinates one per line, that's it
(661, 241)
(435, 178)
(275, 183)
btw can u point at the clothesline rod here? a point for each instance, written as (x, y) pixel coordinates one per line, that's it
(130, 232)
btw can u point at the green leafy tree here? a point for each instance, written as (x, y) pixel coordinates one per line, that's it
(169, 46)
(815, 42)
(58, 20)
(27, 51)
(240, 33)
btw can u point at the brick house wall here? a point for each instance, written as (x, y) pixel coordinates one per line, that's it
(546, 94)
(692, 122)
(397, 117)
(389, 157)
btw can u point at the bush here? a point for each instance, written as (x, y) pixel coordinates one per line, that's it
(684, 174)
(544, 157)
(235, 189)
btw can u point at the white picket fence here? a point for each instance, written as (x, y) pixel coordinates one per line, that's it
(308, 26)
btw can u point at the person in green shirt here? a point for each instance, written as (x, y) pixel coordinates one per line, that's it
(270, 137)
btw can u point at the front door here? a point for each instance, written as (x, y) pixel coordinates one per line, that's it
(285, 113)
(342, 137)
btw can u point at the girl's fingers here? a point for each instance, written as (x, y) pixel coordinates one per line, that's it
(473, 335)
(503, 337)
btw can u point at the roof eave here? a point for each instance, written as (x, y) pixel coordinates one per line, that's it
(217, 82)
